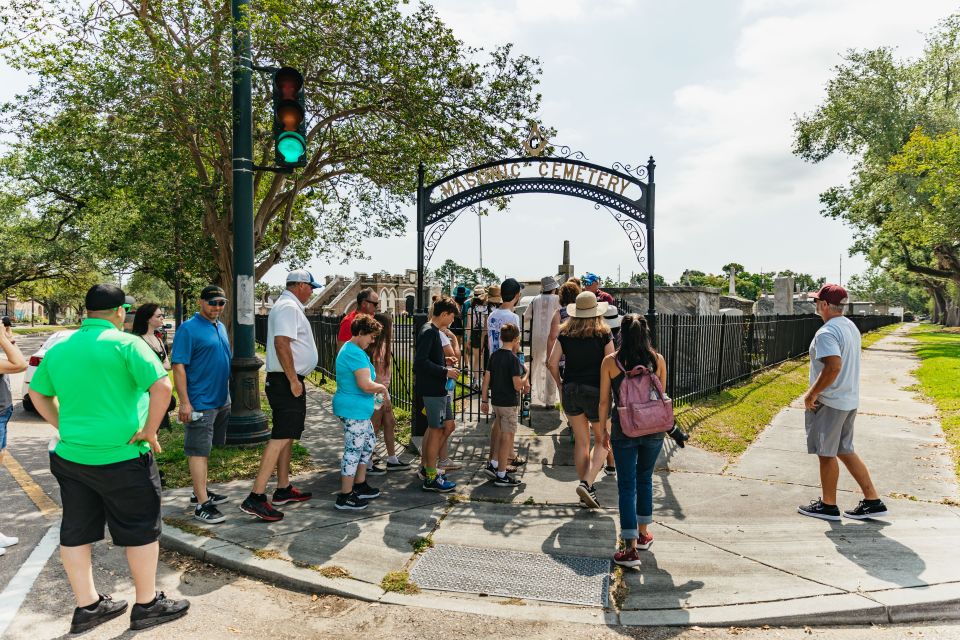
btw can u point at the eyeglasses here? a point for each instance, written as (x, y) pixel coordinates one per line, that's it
(216, 303)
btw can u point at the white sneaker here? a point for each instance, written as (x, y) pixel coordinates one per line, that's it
(8, 541)
(450, 465)
(2, 551)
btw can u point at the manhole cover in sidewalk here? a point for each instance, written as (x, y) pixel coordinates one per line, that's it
(514, 574)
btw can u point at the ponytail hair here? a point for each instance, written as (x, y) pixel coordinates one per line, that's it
(636, 344)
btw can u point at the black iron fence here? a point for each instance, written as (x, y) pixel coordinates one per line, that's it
(704, 353)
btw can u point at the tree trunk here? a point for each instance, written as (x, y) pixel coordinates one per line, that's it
(53, 310)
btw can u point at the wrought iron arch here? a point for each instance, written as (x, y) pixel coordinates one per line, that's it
(568, 175)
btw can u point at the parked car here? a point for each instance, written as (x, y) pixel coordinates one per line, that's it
(34, 362)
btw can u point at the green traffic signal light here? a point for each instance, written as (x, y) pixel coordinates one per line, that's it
(291, 146)
(289, 118)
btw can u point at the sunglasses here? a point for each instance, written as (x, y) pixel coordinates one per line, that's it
(126, 306)
(216, 303)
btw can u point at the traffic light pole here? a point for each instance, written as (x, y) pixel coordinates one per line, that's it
(248, 423)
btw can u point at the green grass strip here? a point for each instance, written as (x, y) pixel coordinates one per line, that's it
(939, 376)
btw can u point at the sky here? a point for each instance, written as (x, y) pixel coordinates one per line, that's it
(709, 89)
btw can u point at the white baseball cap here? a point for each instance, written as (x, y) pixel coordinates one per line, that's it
(302, 275)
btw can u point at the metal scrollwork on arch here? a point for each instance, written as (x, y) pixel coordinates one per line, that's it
(434, 234)
(633, 229)
(639, 171)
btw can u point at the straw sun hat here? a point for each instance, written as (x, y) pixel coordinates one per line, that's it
(493, 293)
(586, 306)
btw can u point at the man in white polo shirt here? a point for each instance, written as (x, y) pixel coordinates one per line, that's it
(291, 356)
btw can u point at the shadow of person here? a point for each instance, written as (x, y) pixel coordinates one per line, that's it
(651, 589)
(864, 544)
(666, 504)
(584, 533)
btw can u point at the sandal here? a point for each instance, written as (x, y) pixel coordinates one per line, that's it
(518, 461)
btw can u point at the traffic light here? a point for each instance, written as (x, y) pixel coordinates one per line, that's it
(289, 126)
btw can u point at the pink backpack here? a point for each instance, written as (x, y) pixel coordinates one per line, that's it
(643, 407)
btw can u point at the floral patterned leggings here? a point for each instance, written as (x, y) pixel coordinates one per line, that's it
(358, 442)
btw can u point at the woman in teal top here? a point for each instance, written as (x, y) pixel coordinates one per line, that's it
(353, 404)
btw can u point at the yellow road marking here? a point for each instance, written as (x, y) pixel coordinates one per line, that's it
(46, 506)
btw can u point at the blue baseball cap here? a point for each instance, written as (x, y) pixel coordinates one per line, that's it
(589, 278)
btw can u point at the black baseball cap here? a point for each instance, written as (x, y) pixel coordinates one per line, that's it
(101, 297)
(509, 289)
(212, 292)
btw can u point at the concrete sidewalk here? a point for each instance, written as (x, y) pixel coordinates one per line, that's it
(730, 548)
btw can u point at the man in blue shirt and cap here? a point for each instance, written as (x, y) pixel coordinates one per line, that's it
(201, 371)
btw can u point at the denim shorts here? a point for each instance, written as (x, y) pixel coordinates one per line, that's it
(581, 399)
(4, 419)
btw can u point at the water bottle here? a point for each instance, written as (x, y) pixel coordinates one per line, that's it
(450, 384)
(377, 401)
(195, 415)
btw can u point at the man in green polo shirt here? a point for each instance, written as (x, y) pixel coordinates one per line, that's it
(112, 393)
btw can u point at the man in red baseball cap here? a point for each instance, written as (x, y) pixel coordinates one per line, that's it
(831, 407)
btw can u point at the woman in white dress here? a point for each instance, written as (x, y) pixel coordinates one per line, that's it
(543, 321)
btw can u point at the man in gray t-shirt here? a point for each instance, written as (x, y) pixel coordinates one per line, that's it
(831, 407)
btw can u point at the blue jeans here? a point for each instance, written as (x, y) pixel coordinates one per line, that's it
(4, 419)
(636, 458)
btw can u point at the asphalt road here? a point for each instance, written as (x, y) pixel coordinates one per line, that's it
(227, 605)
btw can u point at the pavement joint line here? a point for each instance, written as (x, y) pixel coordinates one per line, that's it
(33, 490)
(22, 582)
(760, 562)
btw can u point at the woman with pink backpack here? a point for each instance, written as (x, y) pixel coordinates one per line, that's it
(634, 377)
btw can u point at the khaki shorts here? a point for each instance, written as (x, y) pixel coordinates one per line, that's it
(508, 418)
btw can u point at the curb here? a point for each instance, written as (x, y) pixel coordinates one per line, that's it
(902, 605)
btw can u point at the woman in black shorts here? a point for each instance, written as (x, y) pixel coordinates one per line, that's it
(583, 342)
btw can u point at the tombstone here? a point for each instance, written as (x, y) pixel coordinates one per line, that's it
(732, 290)
(783, 296)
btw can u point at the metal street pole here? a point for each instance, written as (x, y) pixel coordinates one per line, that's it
(248, 423)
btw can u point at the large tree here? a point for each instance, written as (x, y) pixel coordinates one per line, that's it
(892, 116)
(148, 83)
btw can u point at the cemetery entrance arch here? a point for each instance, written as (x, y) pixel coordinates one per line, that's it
(625, 191)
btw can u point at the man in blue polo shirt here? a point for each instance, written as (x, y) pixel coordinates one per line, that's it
(201, 373)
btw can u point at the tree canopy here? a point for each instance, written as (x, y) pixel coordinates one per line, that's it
(127, 130)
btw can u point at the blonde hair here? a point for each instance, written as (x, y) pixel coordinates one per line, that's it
(584, 327)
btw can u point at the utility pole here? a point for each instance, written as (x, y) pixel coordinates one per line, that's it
(248, 423)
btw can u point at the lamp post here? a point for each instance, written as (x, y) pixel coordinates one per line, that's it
(248, 423)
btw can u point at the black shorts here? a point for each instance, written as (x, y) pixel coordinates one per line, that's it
(124, 495)
(289, 413)
(581, 399)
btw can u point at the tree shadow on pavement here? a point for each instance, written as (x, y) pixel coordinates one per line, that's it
(881, 557)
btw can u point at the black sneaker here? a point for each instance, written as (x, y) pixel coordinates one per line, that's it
(350, 501)
(365, 492)
(162, 610)
(587, 495)
(290, 494)
(374, 470)
(261, 508)
(208, 513)
(817, 509)
(609, 470)
(400, 465)
(422, 473)
(215, 498)
(491, 471)
(865, 511)
(107, 609)
(506, 481)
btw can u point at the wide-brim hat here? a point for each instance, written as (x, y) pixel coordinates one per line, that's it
(493, 293)
(612, 317)
(480, 292)
(587, 306)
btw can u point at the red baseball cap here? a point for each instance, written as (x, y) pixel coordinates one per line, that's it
(832, 294)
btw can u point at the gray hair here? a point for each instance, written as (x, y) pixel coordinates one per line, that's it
(836, 308)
